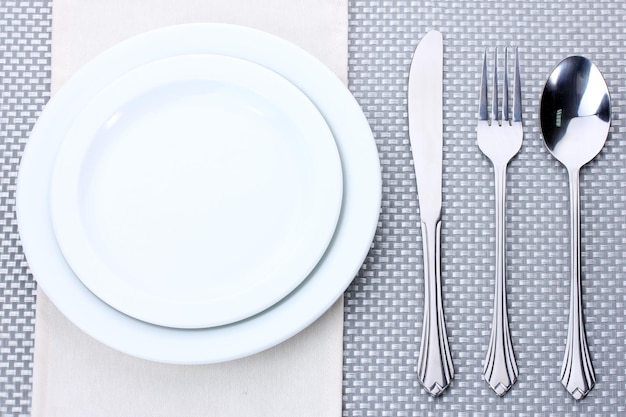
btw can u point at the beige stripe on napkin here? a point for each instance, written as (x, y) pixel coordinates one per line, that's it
(75, 375)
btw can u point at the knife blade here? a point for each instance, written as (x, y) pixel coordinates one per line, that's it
(425, 118)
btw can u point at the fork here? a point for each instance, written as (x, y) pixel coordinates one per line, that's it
(500, 140)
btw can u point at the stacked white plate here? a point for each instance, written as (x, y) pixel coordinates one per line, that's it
(198, 194)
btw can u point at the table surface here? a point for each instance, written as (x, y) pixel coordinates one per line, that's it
(384, 304)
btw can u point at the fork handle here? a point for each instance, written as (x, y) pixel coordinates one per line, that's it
(434, 367)
(577, 374)
(500, 370)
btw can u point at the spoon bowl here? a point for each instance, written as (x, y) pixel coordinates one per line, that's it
(575, 112)
(575, 118)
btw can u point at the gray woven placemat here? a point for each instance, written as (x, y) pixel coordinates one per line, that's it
(383, 310)
(24, 89)
(384, 305)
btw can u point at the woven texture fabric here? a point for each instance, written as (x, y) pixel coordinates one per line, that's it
(384, 305)
(24, 89)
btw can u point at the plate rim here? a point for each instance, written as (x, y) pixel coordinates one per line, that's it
(326, 187)
(355, 232)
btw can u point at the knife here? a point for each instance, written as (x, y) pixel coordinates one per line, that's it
(425, 95)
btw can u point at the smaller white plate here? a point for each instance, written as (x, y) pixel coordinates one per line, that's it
(196, 191)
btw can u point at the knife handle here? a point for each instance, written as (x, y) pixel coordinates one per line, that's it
(434, 367)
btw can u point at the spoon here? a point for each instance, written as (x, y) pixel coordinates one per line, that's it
(575, 117)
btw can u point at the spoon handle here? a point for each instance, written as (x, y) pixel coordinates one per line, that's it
(577, 374)
(434, 367)
(500, 369)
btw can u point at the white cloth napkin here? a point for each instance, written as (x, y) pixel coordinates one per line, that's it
(75, 375)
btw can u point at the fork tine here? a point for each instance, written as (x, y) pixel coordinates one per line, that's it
(517, 92)
(482, 104)
(494, 93)
(505, 87)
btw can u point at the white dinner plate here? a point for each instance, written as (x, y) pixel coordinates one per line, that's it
(196, 190)
(324, 285)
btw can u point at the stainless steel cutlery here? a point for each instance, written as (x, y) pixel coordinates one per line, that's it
(575, 118)
(500, 139)
(425, 95)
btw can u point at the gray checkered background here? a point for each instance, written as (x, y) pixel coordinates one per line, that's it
(24, 89)
(384, 304)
